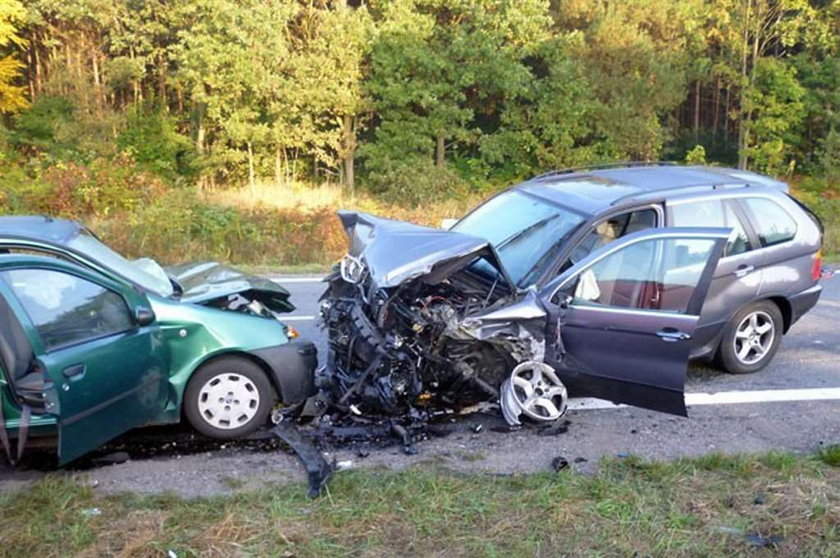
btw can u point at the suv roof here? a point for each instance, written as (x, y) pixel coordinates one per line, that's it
(593, 189)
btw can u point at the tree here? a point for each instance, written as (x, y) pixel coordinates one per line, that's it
(12, 96)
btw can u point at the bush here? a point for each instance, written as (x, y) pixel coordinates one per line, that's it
(180, 227)
(152, 139)
(416, 183)
(822, 196)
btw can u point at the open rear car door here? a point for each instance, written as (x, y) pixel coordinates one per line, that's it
(91, 347)
(622, 319)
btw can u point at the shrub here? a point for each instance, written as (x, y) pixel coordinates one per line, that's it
(416, 183)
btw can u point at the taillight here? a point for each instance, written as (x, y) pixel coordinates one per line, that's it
(816, 268)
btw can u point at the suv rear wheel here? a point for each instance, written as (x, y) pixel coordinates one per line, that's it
(228, 398)
(751, 338)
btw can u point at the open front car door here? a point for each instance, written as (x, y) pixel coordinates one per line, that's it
(622, 319)
(90, 346)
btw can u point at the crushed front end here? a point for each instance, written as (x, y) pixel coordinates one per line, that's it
(421, 320)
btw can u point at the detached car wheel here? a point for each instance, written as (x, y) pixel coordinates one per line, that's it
(228, 398)
(751, 338)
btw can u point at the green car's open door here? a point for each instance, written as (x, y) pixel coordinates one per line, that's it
(96, 345)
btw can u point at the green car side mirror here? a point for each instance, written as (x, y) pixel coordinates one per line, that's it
(143, 316)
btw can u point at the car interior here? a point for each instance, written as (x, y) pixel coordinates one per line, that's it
(608, 230)
(18, 359)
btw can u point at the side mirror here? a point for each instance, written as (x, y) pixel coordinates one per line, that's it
(565, 300)
(143, 316)
(447, 224)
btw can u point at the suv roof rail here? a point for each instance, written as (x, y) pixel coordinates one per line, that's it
(641, 196)
(603, 166)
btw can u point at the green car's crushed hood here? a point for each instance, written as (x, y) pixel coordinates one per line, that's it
(210, 281)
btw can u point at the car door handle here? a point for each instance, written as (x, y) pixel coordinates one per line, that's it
(75, 372)
(743, 269)
(672, 335)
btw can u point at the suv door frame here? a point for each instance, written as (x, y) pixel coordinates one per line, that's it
(553, 270)
(664, 390)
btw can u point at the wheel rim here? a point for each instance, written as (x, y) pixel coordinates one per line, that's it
(754, 337)
(538, 391)
(228, 401)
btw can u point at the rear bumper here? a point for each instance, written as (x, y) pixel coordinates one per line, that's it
(803, 301)
(293, 366)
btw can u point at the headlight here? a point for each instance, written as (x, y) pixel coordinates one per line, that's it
(352, 269)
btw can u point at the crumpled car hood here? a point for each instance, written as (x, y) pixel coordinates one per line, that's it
(207, 281)
(396, 251)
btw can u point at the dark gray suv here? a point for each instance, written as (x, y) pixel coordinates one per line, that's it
(766, 279)
(602, 281)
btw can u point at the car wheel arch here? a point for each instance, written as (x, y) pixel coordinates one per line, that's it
(272, 380)
(785, 308)
(781, 302)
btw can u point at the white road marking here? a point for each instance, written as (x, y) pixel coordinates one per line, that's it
(281, 280)
(296, 318)
(725, 398)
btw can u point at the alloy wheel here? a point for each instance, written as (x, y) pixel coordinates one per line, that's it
(754, 337)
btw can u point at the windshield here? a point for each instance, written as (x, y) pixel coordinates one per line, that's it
(523, 229)
(148, 275)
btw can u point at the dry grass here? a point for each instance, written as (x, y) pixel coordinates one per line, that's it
(702, 507)
(308, 198)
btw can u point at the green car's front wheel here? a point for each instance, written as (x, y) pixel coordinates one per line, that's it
(228, 398)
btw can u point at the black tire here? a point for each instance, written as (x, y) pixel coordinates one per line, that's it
(235, 375)
(727, 356)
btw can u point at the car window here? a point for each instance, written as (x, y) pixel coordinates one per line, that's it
(772, 223)
(146, 273)
(654, 274)
(608, 230)
(523, 229)
(66, 309)
(712, 213)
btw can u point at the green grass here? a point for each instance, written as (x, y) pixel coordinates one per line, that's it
(696, 507)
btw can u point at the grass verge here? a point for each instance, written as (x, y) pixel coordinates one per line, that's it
(709, 506)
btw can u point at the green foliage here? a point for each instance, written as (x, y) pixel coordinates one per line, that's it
(830, 455)
(151, 138)
(12, 96)
(697, 156)
(38, 129)
(775, 101)
(430, 99)
(415, 183)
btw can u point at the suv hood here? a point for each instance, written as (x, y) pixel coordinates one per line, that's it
(395, 252)
(207, 281)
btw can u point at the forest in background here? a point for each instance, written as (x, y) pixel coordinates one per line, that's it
(132, 115)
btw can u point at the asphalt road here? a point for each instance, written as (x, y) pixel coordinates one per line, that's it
(809, 360)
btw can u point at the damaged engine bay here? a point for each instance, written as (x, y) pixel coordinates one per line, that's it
(431, 331)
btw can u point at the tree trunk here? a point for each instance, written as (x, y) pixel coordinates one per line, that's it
(696, 111)
(31, 73)
(278, 167)
(251, 180)
(349, 152)
(97, 83)
(162, 94)
(743, 120)
(716, 108)
(440, 151)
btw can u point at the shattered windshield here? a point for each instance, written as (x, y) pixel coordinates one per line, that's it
(523, 229)
(148, 274)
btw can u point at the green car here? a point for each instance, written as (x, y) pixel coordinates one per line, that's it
(93, 345)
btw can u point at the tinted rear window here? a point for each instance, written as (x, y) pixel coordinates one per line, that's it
(773, 224)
